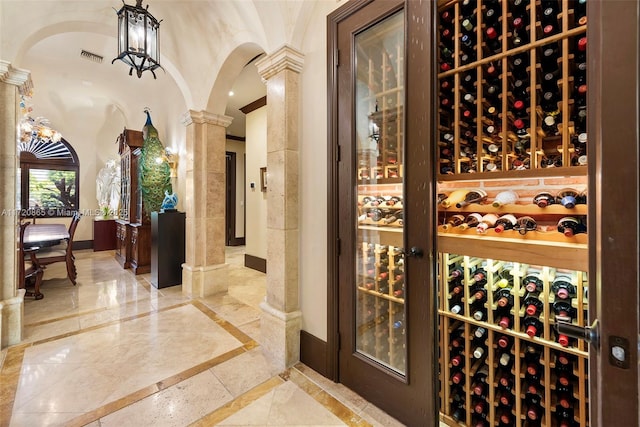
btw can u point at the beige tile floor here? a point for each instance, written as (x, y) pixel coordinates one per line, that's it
(115, 351)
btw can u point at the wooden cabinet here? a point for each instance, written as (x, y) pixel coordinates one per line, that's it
(104, 235)
(512, 117)
(134, 245)
(140, 248)
(123, 244)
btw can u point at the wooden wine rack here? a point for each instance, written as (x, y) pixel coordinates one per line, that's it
(381, 304)
(541, 147)
(548, 348)
(535, 158)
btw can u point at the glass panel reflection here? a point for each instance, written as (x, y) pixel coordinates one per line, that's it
(380, 283)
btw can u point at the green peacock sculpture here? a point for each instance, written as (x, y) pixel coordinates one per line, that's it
(154, 175)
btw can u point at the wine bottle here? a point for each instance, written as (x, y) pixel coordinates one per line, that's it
(504, 298)
(505, 222)
(492, 34)
(567, 197)
(478, 311)
(532, 282)
(549, 17)
(564, 311)
(456, 272)
(544, 199)
(456, 338)
(532, 304)
(457, 377)
(455, 306)
(474, 196)
(507, 197)
(455, 288)
(525, 224)
(453, 221)
(480, 333)
(472, 220)
(478, 293)
(393, 217)
(569, 226)
(454, 198)
(564, 416)
(532, 326)
(562, 288)
(488, 221)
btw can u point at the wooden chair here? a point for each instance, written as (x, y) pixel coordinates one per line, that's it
(62, 252)
(29, 270)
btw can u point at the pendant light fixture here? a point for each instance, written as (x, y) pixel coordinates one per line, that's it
(138, 39)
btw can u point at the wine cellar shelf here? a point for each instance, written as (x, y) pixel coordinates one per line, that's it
(512, 115)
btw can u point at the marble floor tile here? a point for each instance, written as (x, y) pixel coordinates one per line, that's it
(179, 405)
(286, 405)
(244, 372)
(114, 350)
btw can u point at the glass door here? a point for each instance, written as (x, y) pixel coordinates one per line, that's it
(379, 285)
(385, 295)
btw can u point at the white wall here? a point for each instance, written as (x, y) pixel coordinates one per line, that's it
(256, 149)
(239, 148)
(313, 174)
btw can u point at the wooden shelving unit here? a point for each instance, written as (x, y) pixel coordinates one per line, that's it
(500, 81)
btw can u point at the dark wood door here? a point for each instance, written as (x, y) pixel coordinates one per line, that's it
(383, 221)
(614, 131)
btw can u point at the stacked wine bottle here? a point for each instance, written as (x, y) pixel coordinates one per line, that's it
(568, 219)
(380, 303)
(513, 85)
(503, 361)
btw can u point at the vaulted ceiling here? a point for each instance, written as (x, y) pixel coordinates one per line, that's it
(205, 48)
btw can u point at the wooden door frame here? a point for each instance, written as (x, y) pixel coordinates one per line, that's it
(613, 128)
(230, 202)
(420, 217)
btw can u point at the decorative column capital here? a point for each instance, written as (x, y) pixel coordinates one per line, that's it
(285, 58)
(202, 117)
(16, 76)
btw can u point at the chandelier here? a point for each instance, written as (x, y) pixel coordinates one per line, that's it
(138, 39)
(37, 130)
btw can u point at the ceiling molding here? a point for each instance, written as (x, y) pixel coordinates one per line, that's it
(16, 76)
(202, 117)
(285, 58)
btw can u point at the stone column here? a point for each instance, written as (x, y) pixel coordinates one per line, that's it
(281, 318)
(13, 81)
(204, 271)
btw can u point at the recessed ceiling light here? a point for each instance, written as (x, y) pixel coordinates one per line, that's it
(231, 93)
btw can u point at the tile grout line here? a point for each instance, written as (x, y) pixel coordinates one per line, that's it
(130, 399)
(238, 403)
(326, 399)
(10, 373)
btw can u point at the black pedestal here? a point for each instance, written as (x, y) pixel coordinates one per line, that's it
(167, 248)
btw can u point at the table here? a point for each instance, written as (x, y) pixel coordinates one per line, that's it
(45, 234)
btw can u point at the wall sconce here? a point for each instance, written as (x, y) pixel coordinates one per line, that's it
(171, 158)
(138, 39)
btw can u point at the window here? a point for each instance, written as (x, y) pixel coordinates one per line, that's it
(49, 179)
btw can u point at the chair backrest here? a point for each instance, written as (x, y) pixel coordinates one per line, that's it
(72, 229)
(21, 260)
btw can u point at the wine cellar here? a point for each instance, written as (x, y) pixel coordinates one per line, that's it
(512, 242)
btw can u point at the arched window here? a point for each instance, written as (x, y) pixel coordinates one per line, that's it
(49, 180)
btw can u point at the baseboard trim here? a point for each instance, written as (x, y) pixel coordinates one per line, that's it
(255, 263)
(236, 241)
(313, 352)
(82, 244)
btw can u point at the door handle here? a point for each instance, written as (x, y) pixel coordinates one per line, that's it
(415, 252)
(590, 334)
